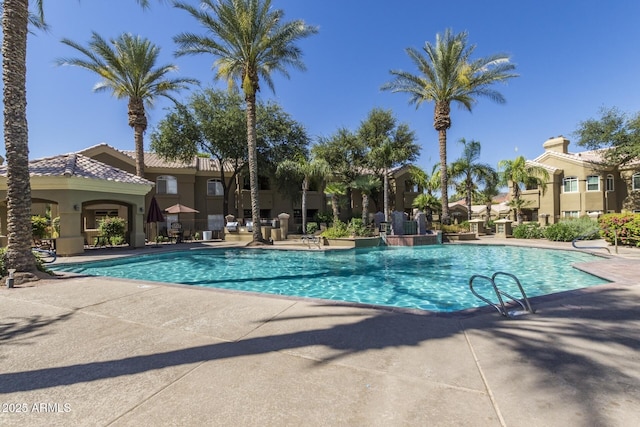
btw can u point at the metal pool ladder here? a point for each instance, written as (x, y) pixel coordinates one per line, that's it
(524, 303)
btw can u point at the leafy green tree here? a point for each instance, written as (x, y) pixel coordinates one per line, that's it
(345, 152)
(304, 170)
(367, 184)
(278, 137)
(449, 75)
(212, 122)
(517, 174)
(389, 145)
(470, 172)
(250, 41)
(613, 130)
(127, 66)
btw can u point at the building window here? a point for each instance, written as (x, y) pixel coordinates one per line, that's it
(166, 184)
(635, 181)
(214, 187)
(570, 184)
(593, 183)
(263, 183)
(610, 182)
(570, 214)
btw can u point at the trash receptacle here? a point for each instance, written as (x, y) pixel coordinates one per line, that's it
(206, 235)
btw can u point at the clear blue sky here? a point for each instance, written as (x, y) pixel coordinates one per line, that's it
(573, 57)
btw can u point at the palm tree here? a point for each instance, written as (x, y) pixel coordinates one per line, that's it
(367, 184)
(250, 41)
(470, 171)
(15, 21)
(487, 194)
(127, 66)
(428, 203)
(335, 190)
(447, 74)
(428, 182)
(519, 173)
(306, 170)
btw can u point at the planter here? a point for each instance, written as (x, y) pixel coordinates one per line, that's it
(452, 237)
(353, 242)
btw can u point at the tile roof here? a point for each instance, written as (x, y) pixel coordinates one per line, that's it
(77, 165)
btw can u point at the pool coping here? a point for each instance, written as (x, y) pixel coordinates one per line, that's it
(619, 277)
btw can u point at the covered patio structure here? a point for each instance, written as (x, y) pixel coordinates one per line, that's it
(70, 182)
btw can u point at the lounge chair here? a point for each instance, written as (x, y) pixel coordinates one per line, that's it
(232, 226)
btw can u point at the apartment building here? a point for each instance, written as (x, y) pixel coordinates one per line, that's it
(579, 185)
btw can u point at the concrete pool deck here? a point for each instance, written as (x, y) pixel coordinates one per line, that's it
(102, 351)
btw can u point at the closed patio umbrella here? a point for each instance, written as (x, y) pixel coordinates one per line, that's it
(154, 215)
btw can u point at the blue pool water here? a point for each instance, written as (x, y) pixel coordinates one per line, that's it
(429, 277)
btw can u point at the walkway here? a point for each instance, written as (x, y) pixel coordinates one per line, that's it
(98, 351)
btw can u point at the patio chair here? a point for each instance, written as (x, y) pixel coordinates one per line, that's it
(232, 226)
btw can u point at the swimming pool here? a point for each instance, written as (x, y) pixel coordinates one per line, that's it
(428, 277)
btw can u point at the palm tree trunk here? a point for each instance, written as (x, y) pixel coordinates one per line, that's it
(253, 167)
(304, 206)
(444, 178)
(138, 121)
(468, 198)
(365, 208)
(386, 195)
(16, 135)
(442, 122)
(334, 207)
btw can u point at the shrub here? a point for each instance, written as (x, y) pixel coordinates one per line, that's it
(113, 229)
(454, 228)
(528, 231)
(357, 228)
(626, 226)
(338, 229)
(39, 226)
(569, 229)
(324, 218)
(312, 227)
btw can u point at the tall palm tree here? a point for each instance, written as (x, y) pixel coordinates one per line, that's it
(250, 41)
(306, 170)
(447, 75)
(470, 171)
(127, 66)
(367, 184)
(15, 21)
(519, 173)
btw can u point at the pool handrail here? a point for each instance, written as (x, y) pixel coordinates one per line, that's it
(499, 293)
(589, 234)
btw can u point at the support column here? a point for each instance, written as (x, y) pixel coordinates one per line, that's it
(71, 240)
(137, 235)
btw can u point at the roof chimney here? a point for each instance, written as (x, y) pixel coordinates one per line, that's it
(558, 144)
